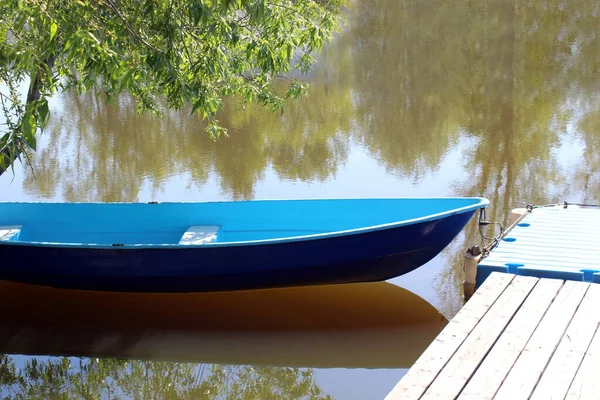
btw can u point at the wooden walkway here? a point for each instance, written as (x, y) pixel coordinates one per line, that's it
(518, 337)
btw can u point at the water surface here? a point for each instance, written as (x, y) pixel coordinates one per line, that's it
(439, 98)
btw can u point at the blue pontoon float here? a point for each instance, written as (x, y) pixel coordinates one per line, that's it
(550, 241)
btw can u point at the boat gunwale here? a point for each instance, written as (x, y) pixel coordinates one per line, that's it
(482, 203)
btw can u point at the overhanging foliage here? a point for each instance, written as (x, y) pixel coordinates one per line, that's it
(181, 52)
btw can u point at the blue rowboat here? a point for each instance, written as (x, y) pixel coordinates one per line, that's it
(221, 246)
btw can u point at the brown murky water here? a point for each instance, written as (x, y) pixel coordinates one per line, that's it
(438, 98)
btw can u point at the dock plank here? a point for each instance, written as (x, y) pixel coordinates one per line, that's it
(530, 364)
(586, 384)
(474, 348)
(565, 362)
(493, 370)
(435, 357)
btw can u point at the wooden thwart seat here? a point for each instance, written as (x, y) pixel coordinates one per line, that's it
(200, 234)
(9, 231)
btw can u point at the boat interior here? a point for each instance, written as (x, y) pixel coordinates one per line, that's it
(206, 223)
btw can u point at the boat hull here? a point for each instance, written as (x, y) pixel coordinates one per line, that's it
(373, 255)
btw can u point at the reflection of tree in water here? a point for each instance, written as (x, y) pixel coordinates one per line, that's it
(501, 74)
(531, 101)
(408, 79)
(108, 153)
(505, 76)
(584, 179)
(406, 89)
(75, 378)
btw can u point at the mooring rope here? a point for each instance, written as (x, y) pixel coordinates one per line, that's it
(493, 241)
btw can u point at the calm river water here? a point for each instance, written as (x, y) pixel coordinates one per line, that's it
(438, 98)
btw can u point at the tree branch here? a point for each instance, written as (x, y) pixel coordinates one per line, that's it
(115, 9)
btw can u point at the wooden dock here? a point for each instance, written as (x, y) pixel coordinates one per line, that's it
(518, 337)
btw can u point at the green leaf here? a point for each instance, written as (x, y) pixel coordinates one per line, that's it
(94, 38)
(29, 127)
(44, 113)
(32, 142)
(196, 12)
(126, 79)
(53, 30)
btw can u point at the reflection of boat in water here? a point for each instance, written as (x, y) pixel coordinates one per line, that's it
(354, 325)
(223, 246)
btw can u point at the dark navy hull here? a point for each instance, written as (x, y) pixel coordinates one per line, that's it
(359, 257)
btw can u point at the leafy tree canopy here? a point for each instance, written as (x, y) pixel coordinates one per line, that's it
(171, 52)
